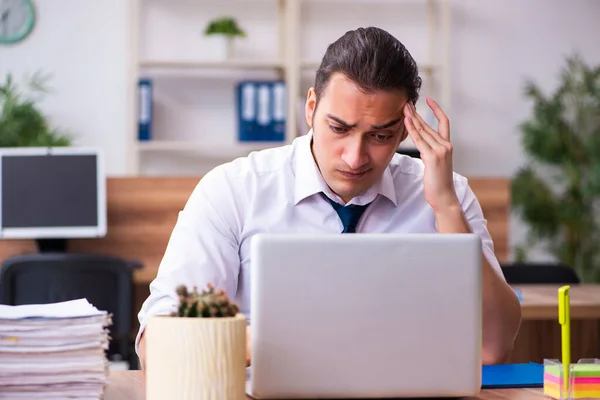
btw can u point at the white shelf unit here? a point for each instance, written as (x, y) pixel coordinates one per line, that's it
(195, 126)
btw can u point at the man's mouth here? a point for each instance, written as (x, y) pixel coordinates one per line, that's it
(353, 175)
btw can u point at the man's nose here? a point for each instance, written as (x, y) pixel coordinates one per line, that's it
(355, 154)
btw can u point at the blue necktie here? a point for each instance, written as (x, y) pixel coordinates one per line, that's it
(349, 215)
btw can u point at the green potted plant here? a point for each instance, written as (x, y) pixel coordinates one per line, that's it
(557, 192)
(22, 123)
(222, 31)
(199, 351)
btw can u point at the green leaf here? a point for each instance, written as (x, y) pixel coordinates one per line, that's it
(224, 26)
(534, 201)
(22, 123)
(591, 185)
(520, 254)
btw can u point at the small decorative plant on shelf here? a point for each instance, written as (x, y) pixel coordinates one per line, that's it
(199, 350)
(224, 30)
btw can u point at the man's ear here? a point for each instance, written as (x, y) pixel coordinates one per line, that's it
(310, 106)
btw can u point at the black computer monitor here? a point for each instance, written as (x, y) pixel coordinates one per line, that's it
(52, 194)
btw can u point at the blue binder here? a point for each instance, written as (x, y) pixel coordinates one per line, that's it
(512, 376)
(264, 113)
(278, 111)
(261, 109)
(145, 109)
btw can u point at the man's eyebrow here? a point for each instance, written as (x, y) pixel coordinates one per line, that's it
(386, 125)
(347, 125)
(341, 121)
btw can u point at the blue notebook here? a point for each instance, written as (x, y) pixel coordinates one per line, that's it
(512, 376)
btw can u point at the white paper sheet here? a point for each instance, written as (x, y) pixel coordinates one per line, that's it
(65, 309)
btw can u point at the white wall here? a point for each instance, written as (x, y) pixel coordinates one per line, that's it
(495, 46)
(87, 59)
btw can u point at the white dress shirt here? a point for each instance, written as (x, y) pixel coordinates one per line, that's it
(278, 190)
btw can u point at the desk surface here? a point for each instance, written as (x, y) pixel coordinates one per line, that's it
(129, 385)
(541, 301)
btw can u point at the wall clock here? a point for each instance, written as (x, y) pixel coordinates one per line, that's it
(17, 19)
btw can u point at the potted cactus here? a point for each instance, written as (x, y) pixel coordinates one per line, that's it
(199, 351)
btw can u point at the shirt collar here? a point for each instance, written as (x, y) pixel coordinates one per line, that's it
(308, 179)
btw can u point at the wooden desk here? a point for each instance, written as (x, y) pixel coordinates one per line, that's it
(540, 302)
(539, 336)
(129, 385)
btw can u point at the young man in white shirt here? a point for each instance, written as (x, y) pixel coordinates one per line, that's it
(360, 109)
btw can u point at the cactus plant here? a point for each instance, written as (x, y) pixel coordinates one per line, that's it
(210, 303)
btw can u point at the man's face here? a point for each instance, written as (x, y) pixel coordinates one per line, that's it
(355, 134)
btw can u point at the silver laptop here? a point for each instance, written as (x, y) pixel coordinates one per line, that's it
(365, 316)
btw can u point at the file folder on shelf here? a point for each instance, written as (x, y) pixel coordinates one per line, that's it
(145, 109)
(261, 111)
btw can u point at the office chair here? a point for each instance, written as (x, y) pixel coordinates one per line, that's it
(539, 273)
(414, 153)
(105, 281)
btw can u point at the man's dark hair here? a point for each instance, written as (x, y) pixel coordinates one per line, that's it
(374, 60)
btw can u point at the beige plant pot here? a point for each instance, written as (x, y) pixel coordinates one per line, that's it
(218, 48)
(195, 358)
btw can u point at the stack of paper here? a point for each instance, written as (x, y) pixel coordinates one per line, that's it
(53, 351)
(583, 382)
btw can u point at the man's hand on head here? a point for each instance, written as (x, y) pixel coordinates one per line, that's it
(436, 152)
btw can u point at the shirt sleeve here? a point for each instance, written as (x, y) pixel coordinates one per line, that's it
(203, 247)
(474, 214)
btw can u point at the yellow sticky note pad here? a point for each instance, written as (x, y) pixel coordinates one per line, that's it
(552, 391)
